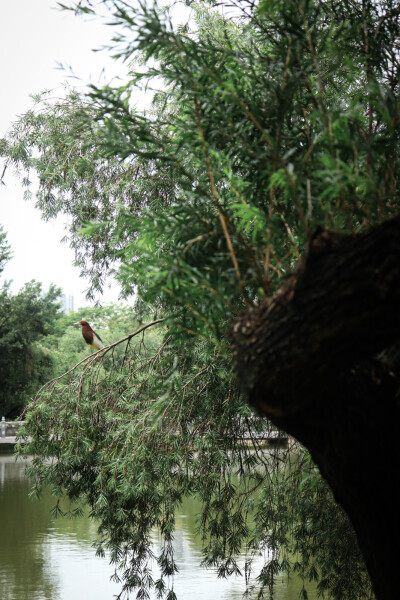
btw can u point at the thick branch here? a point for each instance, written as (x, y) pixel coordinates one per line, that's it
(340, 307)
(308, 359)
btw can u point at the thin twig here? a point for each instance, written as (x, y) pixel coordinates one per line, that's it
(221, 215)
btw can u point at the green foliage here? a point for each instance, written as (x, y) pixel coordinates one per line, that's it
(25, 364)
(265, 127)
(265, 124)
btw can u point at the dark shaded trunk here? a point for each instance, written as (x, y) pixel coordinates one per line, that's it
(320, 361)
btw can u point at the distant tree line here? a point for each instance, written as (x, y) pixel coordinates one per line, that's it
(26, 318)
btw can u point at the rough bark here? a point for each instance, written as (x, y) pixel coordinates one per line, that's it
(315, 360)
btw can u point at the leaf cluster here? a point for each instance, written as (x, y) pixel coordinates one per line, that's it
(264, 125)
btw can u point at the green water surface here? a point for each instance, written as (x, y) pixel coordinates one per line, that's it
(43, 558)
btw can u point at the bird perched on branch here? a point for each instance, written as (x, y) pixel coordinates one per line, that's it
(90, 336)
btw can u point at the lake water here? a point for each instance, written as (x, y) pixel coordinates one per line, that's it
(43, 558)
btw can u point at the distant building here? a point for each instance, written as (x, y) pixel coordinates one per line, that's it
(67, 303)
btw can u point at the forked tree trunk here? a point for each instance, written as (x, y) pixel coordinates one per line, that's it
(312, 360)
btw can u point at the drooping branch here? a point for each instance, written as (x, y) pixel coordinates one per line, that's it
(89, 360)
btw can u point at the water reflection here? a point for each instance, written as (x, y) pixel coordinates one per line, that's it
(42, 558)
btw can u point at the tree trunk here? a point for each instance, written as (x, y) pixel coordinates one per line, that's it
(319, 360)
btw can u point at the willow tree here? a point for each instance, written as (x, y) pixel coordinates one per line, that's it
(254, 207)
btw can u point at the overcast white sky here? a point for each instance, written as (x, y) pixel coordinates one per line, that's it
(34, 37)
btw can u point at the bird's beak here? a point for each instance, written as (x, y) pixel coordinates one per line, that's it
(76, 323)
